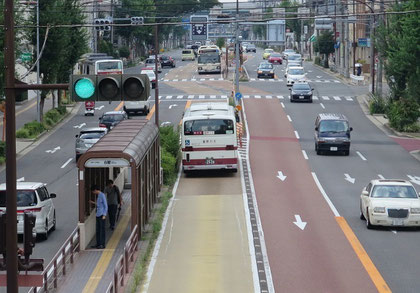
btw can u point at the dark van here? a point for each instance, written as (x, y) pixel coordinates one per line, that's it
(332, 133)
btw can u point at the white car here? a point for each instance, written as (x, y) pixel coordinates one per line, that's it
(152, 76)
(295, 74)
(287, 52)
(33, 197)
(386, 202)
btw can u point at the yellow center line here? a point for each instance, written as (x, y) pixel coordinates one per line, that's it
(149, 116)
(107, 253)
(364, 258)
(120, 105)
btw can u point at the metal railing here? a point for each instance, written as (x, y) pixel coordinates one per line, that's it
(57, 266)
(122, 267)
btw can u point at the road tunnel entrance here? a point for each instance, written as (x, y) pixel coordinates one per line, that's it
(130, 156)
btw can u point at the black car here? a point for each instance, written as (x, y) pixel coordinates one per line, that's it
(301, 92)
(112, 118)
(332, 133)
(265, 69)
(167, 61)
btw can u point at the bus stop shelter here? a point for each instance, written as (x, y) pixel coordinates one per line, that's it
(130, 156)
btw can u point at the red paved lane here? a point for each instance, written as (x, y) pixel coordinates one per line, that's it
(410, 144)
(319, 258)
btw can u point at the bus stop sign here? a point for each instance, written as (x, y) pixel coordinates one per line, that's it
(238, 96)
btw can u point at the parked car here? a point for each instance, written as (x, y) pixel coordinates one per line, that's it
(167, 61)
(112, 118)
(251, 48)
(301, 91)
(275, 58)
(265, 69)
(188, 54)
(151, 74)
(295, 74)
(150, 62)
(332, 133)
(386, 202)
(267, 53)
(87, 138)
(33, 197)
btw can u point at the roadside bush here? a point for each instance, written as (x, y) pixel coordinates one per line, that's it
(22, 133)
(169, 140)
(377, 104)
(317, 60)
(2, 149)
(53, 115)
(62, 110)
(34, 128)
(169, 167)
(404, 114)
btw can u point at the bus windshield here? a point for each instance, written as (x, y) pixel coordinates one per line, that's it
(109, 66)
(208, 126)
(209, 58)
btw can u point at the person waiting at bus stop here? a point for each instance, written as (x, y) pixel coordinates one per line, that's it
(101, 211)
(114, 198)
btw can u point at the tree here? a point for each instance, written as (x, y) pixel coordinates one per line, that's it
(325, 45)
(220, 42)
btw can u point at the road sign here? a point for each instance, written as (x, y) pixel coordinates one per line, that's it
(26, 57)
(238, 96)
(276, 31)
(198, 27)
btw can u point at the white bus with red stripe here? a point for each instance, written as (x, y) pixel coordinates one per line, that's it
(109, 66)
(208, 137)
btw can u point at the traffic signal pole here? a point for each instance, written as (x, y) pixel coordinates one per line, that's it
(11, 203)
(157, 77)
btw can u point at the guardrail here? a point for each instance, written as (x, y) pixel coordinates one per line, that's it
(122, 267)
(57, 266)
(357, 79)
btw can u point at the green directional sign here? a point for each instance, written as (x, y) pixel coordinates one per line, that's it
(26, 57)
(313, 39)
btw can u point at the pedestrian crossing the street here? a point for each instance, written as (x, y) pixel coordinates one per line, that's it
(268, 97)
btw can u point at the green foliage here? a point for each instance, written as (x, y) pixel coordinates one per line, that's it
(398, 41)
(22, 133)
(169, 167)
(169, 141)
(404, 114)
(34, 128)
(2, 149)
(377, 104)
(124, 52)
(325, 43)
(317, 60)
(220, 42)
(106, 47)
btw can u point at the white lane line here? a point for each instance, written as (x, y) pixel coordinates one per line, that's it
(193, 79)
(349, 98)
(246, 97)
(361, 156)
(337, 98)
(290, 119)
(304, 154)
(211, 78)
(252, 79)
(201, 96)
(257, 97)
(166, 80)
(280, 97)
(324, 194)
(297, 134)
(179, 97)
(168, 97)
(191, 97)
(202, 79)
(325, 98)
(322, 105)
(268, 97)
(336, 81)
(66, 163)
(224, 97)
(212, 97)
(282, 104)
(380, 176)
(175, 80)
(184, 79)
(315, 98)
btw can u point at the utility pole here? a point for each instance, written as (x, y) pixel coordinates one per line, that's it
(38, 93)
(11, 203)
(372, 51)
(237, 50)
(342, 39)
(335, 35)
(112, 27)
(354, 42)
(380, 59)
(347, 45)
(157, 77)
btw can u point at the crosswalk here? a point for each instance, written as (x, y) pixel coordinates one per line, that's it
(268, 97)
(251, 79)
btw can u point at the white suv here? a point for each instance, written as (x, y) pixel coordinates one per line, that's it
(33, 197)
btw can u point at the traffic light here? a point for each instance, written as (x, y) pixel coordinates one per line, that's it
(102, 24)
(137, 20)
(110, 87)
(29, 235)
(3, 233)
(83, 87)
(107, 25)
(135, 87)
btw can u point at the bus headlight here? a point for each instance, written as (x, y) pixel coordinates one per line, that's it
(218, 67)
(200, 68)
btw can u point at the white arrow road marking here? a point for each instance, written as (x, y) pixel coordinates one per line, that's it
(99, 108)
(414, 179)
(66, 163)
(173, 105)
(21, 179)
(349, 178)
(281, 176)
(165, 123)
(53, 151)
(79, 126)
(361, 156)
(318, 76)
(299, 222)
(380, 176)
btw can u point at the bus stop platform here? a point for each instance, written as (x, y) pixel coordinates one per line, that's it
(93, 269)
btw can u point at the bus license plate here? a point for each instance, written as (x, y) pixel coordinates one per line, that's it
(209, 162)
(398, 222)
(334, 149)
